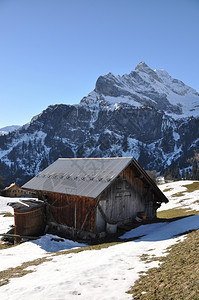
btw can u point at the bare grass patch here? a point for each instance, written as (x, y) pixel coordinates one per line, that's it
(7, 214)
(19, 271)
(192, 187)
(167, 190)
(179, 194)
(176, 213)
(177, 276)
(93, 247)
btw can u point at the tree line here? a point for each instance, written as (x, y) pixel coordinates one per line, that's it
(190, 173)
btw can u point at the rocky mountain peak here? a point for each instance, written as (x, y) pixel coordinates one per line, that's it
(144, 86)
(142, 66)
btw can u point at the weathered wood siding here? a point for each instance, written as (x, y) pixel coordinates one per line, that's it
(30, 222)
(70, 210)
(127, 195)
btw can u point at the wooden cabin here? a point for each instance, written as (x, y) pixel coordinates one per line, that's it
(88, 197)
(13, 190)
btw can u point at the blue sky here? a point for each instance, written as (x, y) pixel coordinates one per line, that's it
(53, 51)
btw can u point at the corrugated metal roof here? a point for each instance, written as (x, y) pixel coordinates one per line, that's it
(87, 177)
(79, 176)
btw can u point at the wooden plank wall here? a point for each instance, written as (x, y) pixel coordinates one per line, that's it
(71, 210)
(30, 222)
(127, 195)
(143, 190)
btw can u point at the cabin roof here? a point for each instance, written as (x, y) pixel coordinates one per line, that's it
(87, 177)
(10, 186)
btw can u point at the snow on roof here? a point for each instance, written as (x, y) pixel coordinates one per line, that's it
(8, 187)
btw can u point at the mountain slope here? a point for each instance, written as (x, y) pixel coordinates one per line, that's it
(130, 115)
(7, 129)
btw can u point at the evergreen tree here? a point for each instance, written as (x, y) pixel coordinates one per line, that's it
(183, 174)
(187, 175)
(194, 171)
(1, 182)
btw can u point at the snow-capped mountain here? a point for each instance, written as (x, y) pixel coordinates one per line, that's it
(144, 86)
(146, 114)
(7, 129)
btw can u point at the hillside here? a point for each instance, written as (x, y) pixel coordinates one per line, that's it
(105, 271)
(7, 129)
(145, 114)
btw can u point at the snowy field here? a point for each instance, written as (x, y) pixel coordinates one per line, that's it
(186, 200)
(93, 274)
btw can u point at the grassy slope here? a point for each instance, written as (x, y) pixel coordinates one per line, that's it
(178, 274)
(177, 277)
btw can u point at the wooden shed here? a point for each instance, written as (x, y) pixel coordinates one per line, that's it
(90, 196)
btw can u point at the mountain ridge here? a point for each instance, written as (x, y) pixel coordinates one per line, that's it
(145, 86)
(7, 129)
(113, 120)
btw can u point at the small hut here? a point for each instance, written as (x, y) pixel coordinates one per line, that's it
(90, 196)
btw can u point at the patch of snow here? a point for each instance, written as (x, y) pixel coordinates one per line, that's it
(163, 231)
(53, 243)
(94, 117)
(96, 274)
(133, 148)
(194, 143)
(7, 129)
(176, 136)
(170, 157)
(189, 200)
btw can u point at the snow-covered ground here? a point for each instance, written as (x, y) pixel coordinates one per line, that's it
(6, 222)
(188, 200)
(93, 274)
